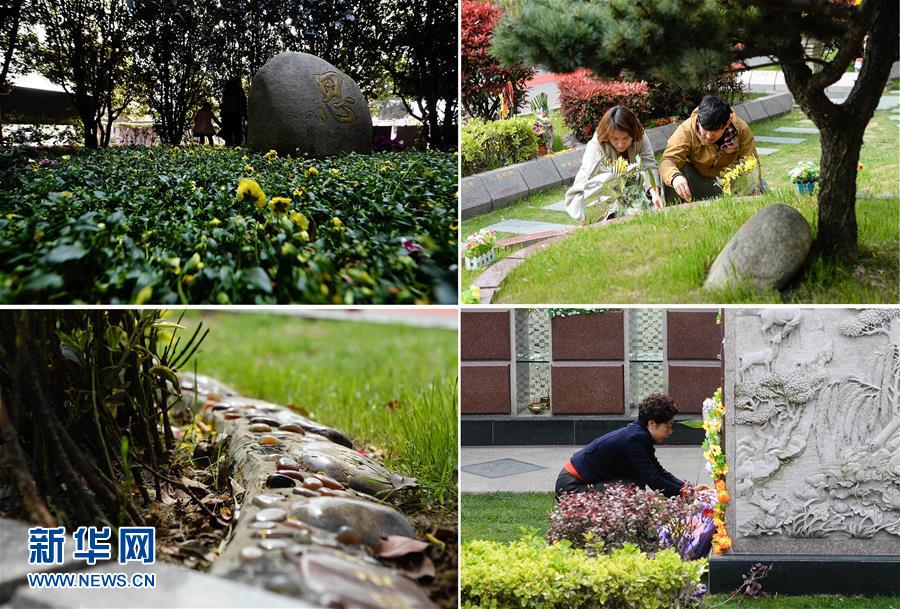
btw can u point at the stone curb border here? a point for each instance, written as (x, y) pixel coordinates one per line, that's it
(295, 525)
(498, 188)
(491, 278)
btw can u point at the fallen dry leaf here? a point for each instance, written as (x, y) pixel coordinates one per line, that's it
(395, 546)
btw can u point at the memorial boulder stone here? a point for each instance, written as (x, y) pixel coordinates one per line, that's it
(767, 251)
(300, 103)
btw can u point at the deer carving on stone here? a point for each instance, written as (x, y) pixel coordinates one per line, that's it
(763, 356)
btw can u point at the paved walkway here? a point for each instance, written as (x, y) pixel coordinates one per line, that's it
(521, 469)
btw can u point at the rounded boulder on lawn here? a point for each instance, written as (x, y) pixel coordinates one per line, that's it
(767, 251)
(301, 104)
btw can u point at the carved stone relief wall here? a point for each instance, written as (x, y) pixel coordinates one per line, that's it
(813, 430)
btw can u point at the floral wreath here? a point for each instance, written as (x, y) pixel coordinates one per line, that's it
(717, 466)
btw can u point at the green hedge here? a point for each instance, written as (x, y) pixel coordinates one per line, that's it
(165, 225)
(493, 144)
(530, 574)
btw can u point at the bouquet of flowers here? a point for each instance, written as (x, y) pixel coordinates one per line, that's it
(741, 178)
(480, 243)
(804, 172)
(616, 190)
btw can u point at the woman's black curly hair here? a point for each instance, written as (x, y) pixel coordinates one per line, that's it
(657, 407)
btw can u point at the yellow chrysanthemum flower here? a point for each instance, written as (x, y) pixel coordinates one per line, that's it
(279, 205)
(312, 171)
(249, 188)
(271, 155)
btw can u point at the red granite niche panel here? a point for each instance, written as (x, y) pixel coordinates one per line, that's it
(587, 389)
(597, 336)
(484, 389)
(484, 336)
(690, 385)
(693, 335)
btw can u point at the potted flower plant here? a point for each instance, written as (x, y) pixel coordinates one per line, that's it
(480, 249)
(538, 129)
(542, 126)
(805, 174)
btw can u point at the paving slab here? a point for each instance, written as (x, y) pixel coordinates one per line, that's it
(558, 206)
(810, 130)
(525, 252)
(526, 227)
(774, 139)
(766, 151)
(496, 273)
(686, 462)
(526, 240)
(500, 468)
(14, 565)
(487, 294)
(888, 101)
(174, 587)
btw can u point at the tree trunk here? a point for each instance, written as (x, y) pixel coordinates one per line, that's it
(842, 126)
(837, 188)
(90, 132)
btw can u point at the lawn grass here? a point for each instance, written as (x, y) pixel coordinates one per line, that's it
(346, 373)
(502, 516)
(663, 258)
(878, 154)
(802, 602)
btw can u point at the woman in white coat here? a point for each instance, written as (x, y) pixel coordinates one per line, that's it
(619, 135)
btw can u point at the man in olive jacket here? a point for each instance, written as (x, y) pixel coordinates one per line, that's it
(701, 148)
(627, 455)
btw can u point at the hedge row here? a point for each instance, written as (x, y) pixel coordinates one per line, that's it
(530, 574)
(489, 145)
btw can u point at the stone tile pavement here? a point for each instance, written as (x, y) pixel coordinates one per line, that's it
(521, 469)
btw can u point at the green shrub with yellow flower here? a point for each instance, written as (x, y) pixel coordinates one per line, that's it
(218, 225)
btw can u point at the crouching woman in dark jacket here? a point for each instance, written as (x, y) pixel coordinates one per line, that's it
(628, 455)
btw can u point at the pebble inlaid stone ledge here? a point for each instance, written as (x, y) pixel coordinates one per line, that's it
(313, 511)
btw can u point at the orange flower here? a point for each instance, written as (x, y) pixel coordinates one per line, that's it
(720, 485)
(724, 497)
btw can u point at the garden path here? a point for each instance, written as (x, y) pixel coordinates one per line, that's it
(525, 469)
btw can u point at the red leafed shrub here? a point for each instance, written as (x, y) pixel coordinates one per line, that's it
(584, 99)
(620, 513)
(482, 77)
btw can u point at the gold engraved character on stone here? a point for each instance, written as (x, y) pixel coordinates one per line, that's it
(330, 84)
